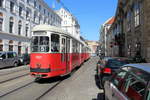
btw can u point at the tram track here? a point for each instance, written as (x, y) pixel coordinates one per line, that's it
(15, 84)
(3, 81)
(32, 90)
(42, 89)
(4, 72)
(12, 76)
(16, 89)
(51, 88)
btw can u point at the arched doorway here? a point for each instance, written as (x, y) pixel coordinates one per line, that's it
(11, 45)
(19, 48)
(1, 45)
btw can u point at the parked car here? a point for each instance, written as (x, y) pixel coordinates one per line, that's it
(8, 59)
(131, 82)
(107, 66)
(24, 59)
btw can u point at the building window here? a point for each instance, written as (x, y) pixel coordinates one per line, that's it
(35, 3)
(48, 14)
(1, 21)
(34, 17)
(1, 3)
(129, 20)
(20, 11)
(27, 30)
(44, 11)
(40, 18)
(28, 1)
(49, 22)
(136, 14)
(11, 23)
(10, 45)
(19, 27)
(27, 15)
(1, 45)
(12, 5)
(39, 7)
(44, 20)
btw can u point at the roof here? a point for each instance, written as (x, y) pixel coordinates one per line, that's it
(110, 21)
(143, 66)
(48, 28)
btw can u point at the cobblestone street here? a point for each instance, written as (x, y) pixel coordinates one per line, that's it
(80, 86)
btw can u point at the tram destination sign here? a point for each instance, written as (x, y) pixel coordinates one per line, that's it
(39, 33)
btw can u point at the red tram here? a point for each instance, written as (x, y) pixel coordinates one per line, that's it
(54, 52)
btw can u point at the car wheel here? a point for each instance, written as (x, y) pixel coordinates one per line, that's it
(15, 64)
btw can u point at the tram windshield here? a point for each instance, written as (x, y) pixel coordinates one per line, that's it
(40, 44)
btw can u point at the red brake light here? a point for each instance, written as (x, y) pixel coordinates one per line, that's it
(107, 70)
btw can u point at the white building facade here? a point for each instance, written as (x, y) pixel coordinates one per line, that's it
(17, 17)
(105, 37)
(69, 22)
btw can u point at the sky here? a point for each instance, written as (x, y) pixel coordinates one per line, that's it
(91, 14)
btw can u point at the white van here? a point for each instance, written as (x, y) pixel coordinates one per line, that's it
(9, 58)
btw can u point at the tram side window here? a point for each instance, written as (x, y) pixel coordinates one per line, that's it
(63, 46)
(74, 46)
(55, 44)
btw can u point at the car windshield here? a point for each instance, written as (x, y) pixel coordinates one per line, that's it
(113, 63)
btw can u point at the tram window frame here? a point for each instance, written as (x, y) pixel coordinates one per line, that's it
(68, 45)
(41, 44)
(55, 46)
(73, 46)
(63, 45)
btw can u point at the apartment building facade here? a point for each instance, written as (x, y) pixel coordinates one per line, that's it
(105, 38)
(17, 17)
(131, 28)
(69, 22)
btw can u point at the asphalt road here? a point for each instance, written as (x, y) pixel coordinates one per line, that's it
(80, 86)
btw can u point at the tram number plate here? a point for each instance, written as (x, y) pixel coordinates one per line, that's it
(38, 75)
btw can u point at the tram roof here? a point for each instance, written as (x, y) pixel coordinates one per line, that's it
(54, 29)
(48, 28)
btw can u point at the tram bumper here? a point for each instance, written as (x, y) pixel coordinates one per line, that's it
(40, 70)
(40, 73)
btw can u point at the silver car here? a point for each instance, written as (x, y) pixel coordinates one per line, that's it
(131, 82)
(8, 59)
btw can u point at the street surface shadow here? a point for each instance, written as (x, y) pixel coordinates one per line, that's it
(97, 82)
(8, 67)
(100, 96)
(56, 79)
(50, 80)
